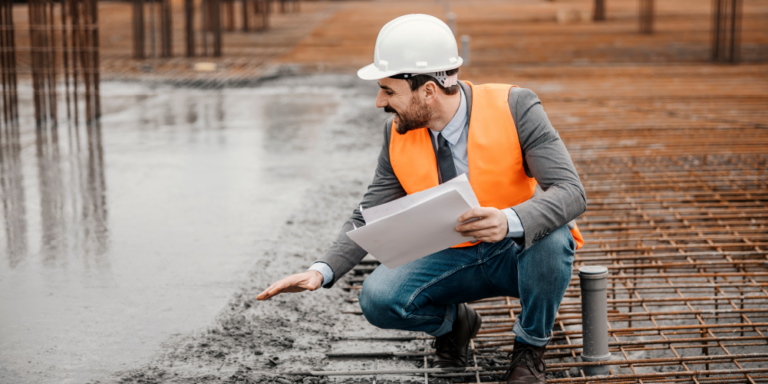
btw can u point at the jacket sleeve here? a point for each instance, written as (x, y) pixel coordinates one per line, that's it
(344, 254)
(562, 197)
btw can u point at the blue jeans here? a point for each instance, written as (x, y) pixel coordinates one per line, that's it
(422, 295)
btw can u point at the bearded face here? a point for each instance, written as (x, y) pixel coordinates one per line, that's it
(416, 116)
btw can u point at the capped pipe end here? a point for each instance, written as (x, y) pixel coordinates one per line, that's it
(593, 272)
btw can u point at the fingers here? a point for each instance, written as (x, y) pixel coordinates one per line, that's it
(479, 235)
(310, 280)
(491, 228)
(274, 289)
(489, 236)
(476, 225)
(472, 213)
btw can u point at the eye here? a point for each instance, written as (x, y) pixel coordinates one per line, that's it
(389, 93)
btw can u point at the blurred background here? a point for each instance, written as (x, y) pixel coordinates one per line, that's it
(156, 156)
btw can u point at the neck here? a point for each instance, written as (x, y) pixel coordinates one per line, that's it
(445, 108)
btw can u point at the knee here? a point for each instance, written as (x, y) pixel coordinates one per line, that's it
(558, 243)
(555, 253)
(379, 304)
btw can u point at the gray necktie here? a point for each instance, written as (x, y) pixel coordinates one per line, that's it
(445, 159)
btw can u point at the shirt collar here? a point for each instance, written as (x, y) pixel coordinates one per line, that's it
(452, 131)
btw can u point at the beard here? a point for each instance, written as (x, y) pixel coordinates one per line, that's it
(416, 116)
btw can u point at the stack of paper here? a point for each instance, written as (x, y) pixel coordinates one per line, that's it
(416, 225)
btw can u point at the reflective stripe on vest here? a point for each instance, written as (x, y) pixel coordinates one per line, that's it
(495, 158)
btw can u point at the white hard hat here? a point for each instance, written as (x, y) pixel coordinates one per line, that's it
(412, 44)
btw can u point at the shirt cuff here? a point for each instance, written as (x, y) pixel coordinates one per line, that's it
(324, 270)
(514, 226)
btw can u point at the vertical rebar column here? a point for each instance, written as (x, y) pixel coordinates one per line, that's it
(246, 16)
(211, 22)
(65, 54)
(229, 11)
(43, 61)
(90, 17)
(205, 25)
(166, 29)
(289, 6)
(716, 9)
(90, 13)
(646, 16)
(51, 49)
(214, 17)
(138, 29)
(189, 26)
(465, 51)
(594, 315)
(33, 57)
(82, 23)
(8, 62)
(598, 13)
(265, 14)
(96, 58)
(83, 27)
(76, 47)
(152, 29)
(6, 6)
(726, 30)
(261, 8)
(451, 22)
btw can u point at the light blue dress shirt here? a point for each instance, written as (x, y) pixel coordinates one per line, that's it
(456, 133)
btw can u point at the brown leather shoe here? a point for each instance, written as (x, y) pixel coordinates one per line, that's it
(527, 365)
(452, 348)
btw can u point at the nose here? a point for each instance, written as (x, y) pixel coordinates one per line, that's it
(381, 101)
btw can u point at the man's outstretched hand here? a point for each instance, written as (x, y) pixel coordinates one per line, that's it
(491, 226)
(309, 280)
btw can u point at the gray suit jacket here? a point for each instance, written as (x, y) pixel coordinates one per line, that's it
(560, 199)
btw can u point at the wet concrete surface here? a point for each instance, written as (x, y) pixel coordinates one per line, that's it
(136, 255)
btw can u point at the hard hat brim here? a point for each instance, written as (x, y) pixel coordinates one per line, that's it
(371, 72)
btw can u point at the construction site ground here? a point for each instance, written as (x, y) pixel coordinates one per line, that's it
(672, 150)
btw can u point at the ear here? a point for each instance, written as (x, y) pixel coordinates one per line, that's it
(430, 92)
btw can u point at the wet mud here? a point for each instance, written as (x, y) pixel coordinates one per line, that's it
(253, 341)
(257, 340)
(137, 258)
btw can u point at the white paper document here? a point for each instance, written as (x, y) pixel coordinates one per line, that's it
(416, 225)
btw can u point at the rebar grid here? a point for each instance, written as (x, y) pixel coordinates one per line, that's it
(684, 239)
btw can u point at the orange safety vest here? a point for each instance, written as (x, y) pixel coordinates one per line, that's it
(495, 157)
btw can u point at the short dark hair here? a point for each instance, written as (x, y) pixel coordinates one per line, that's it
(417, 81)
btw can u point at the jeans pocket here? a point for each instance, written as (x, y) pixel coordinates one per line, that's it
(509, 244)
(571, 242)
(519, 247)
